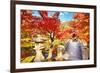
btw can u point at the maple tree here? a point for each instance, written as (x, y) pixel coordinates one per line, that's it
(29, 23)
(44, 23)
(32, 25)
(49, 25)
(81, 24)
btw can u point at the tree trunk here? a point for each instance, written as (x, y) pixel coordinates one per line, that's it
(52, 39)
(51, 47)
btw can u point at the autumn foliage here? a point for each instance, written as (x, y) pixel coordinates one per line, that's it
(81, 25)
(45, 24)
(52, 26)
